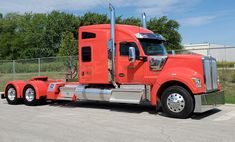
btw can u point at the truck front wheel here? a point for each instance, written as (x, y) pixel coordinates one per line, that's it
(11, 95)
(177, 102)
(30, 96)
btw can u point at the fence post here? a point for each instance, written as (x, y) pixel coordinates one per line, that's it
(70, 61)
(225, 54)
(39, 66)
(14, 68)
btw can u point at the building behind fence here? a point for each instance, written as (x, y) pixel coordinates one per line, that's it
(220, 52)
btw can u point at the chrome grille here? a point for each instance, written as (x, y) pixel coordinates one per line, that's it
(210, 73)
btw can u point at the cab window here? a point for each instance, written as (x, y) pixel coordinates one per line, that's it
(124, 49)
(153, 47)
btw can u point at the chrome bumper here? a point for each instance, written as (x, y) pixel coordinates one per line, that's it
(208, 101)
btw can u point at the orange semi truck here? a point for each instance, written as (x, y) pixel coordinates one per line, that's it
(129, 64)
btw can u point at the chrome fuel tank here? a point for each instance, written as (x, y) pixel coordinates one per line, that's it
(93, 94)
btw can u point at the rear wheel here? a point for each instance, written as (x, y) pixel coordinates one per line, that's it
(30, 96)
(11, 95)
(177, 102)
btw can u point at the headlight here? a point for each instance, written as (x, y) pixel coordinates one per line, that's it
(197, 82)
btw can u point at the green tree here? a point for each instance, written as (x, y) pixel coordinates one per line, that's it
(41, 35)
(169, 29)
(34, 35)
(131, 21)
(94, 18)
(68, 45)
(10, 36)
(58, 23)
(33, 27)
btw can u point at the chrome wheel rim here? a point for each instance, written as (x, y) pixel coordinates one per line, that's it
(11, 94)
(29, 94)
(175, 102)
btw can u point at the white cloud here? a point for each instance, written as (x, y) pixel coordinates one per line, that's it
(152, 7)
(197, 21)
(156, 7)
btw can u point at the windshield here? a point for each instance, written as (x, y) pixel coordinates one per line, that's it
(153, 47)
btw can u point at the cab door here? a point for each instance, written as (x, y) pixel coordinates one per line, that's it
(128, 73)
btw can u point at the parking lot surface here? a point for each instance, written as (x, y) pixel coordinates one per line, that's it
(89, 121)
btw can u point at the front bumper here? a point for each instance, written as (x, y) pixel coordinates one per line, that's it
(208, 101)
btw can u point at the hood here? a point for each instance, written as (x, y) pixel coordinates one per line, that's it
(186, 56)
(157, 62)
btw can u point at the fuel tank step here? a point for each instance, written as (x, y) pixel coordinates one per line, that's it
(131, 96)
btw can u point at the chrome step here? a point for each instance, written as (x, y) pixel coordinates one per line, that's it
(131, 96)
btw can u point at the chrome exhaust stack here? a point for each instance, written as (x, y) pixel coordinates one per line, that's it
(112, 42)
(144, 21)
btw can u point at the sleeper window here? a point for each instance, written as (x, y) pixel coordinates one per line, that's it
(86, 54)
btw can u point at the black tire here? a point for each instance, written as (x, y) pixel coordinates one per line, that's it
(10, 93)
(177, 102)
(29, 96)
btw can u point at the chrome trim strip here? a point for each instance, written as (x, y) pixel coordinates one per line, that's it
(148, 92)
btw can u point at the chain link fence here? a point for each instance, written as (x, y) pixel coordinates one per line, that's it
(65, 67)
(24, 69)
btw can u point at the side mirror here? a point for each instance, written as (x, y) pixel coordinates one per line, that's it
(132, 56)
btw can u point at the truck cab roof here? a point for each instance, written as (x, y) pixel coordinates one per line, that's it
(119, 27)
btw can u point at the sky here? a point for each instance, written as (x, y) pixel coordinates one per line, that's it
(200, 21)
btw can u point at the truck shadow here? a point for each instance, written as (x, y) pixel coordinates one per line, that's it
(199, 116)
(128, 108)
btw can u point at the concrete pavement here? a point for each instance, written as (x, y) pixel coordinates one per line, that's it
(100, 122)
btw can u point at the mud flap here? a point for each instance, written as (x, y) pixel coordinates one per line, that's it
(3, 96)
